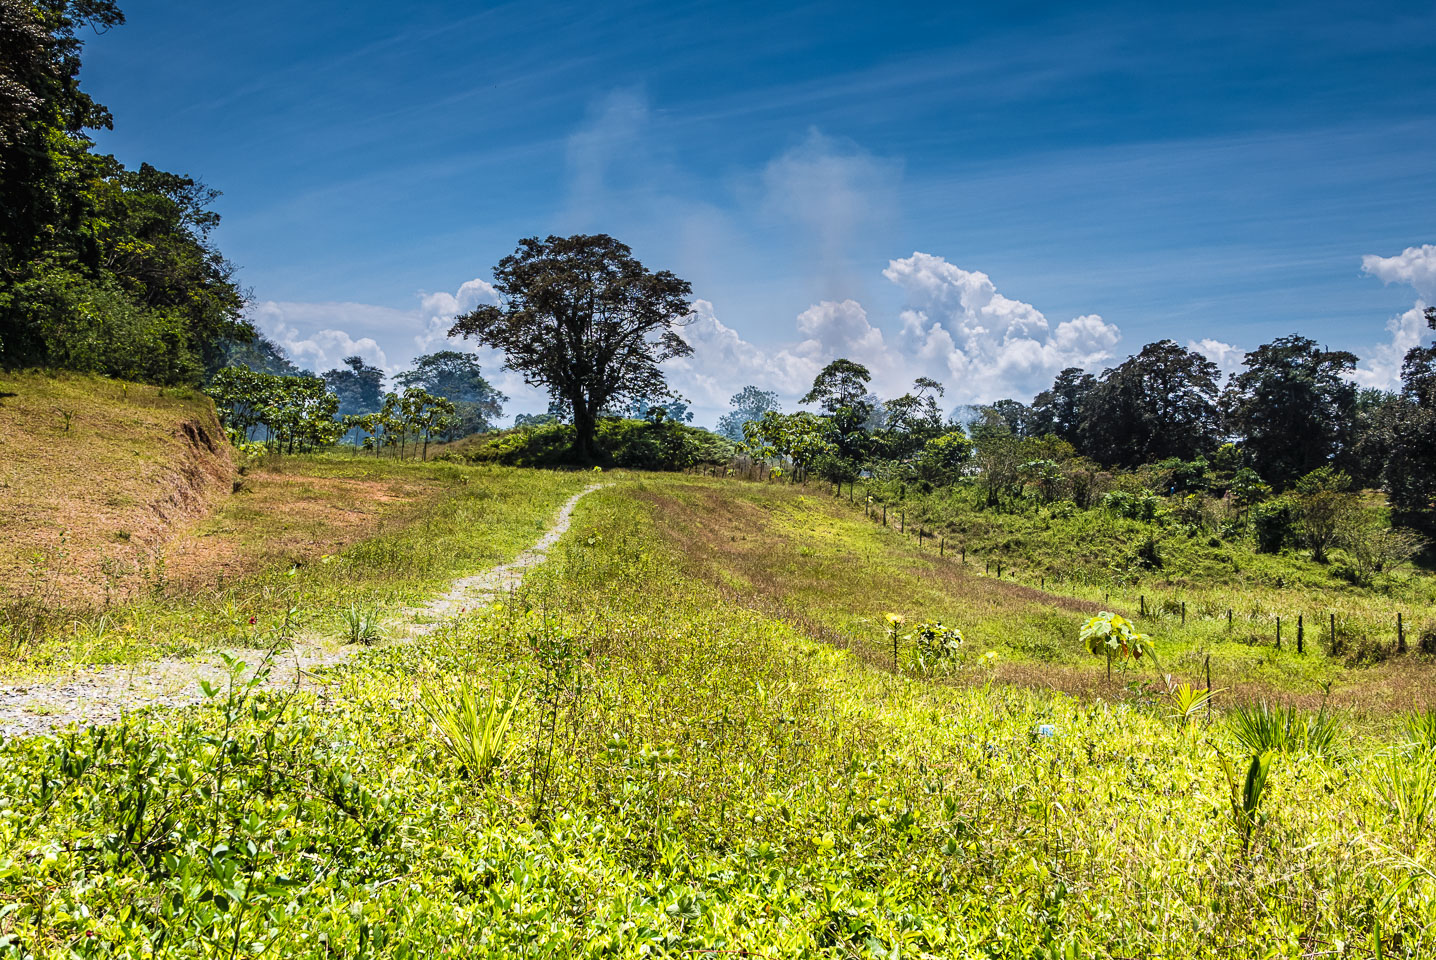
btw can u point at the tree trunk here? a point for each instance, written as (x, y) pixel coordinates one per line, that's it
(583, 427)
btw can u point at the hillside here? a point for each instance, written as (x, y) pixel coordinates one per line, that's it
(96, 475)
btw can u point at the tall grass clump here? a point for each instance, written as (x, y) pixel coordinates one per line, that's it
(362, 624)
(1421, 729)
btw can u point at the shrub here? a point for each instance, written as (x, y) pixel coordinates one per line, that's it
(638, 444)
(1274, 525)
(1141, 506)
(1426, 639)
(934, 643)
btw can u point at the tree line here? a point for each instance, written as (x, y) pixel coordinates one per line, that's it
(103, 268)
(444, 396)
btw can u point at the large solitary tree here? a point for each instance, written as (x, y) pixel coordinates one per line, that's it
(750, 403)
(581, 317)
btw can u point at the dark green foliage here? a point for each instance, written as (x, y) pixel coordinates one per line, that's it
(102, 269)
(1372, 436)
(840, 384)
(1060, 411)
(636, 444)
(1274, 525)
(1161, 403)
(1411, 469)
(1016, 417)
(585, 319)
(1294, 405)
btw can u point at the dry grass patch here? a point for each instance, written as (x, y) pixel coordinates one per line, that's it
(295, 511)
(95, 474)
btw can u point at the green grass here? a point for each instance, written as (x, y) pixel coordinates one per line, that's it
(693, 776)
(827, 568)
(447, 521)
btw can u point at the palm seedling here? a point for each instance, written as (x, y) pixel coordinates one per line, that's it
(1188, 702)
(474, 734)
(1284, 729)
(361, 624)
(1246, 796)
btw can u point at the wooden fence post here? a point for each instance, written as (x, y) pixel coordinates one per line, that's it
(1278, 633)
(1400, 635)
(1184, 613)
(1300, 633)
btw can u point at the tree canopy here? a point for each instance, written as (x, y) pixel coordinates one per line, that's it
(1293, 405)
(581, 317)
(459, 378)
(1161, 403)
(102, 268)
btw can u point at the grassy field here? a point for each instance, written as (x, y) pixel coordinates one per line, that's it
(304, 539)
(825, 566)
(688, 769)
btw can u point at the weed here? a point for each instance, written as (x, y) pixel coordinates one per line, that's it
(475, 736)
(362, 624)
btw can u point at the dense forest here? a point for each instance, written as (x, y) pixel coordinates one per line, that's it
(1291, 419)
(102, 268)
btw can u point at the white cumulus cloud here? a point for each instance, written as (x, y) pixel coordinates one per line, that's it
(1416, 266)
(956, 328)
(985, 345)
(318, 336)
(1227, 357)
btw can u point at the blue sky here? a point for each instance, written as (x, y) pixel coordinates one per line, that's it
(980, 193)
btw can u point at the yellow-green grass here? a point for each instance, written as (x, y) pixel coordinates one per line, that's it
(828, 568)
(689, 776)
(305, 538)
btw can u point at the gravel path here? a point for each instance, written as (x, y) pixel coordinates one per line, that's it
(99, 695)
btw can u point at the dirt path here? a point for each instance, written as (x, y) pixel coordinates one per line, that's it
(99, 695)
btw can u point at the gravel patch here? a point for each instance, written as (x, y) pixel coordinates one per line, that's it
(101, 695)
